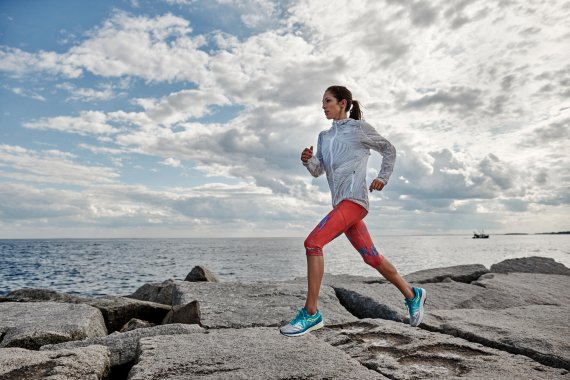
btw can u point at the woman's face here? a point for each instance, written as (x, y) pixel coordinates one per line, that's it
(332, 107)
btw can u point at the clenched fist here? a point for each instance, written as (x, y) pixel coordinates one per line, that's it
(307, 154)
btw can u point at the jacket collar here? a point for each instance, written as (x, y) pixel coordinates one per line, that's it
(338, 123)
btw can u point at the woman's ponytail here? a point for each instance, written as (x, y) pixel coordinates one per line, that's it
(355, 112)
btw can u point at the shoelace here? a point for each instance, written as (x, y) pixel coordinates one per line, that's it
(299, 317)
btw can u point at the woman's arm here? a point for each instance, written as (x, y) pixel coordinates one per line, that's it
(372, 140)
(315, 163)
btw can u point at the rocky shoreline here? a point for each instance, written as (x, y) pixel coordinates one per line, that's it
(505, 322)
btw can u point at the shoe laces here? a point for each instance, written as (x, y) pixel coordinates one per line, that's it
(299, 317)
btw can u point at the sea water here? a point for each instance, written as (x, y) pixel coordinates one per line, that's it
(119, 266)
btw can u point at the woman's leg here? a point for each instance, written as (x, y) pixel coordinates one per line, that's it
(360, 239)
(334, 224)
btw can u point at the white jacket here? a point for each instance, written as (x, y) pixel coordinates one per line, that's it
(342, 152)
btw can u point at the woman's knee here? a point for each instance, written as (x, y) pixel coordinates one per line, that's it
(373, 261)
(312, 247)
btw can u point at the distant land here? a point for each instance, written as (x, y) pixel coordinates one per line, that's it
(540, 233)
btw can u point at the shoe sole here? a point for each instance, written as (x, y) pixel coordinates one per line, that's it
(312, 328)
(423, 301)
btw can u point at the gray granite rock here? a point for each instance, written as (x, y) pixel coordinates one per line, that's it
(134, 324)
(116, 310)
(123, 346)
(200, 273)
(538, 331)
(398, 351)
(458, 273)
(81, 363)
(156, 292)
(250, 353)
(119, 310)
(531, 264)
(188, 313)
(41, 294)
(236, 305)
(386, 302)
(491, 291)
(34, 324)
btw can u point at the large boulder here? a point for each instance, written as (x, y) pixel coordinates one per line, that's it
(236, 305)
(116, 310)
(156, 292)
(188, 313)
(119, 310)
(251, 353)
(531, 264)
(538, 331)
(34, 324)
(80, 363)
(200, 273)
(398, 351)
(385, 301)
(123, 346)
(491, 291)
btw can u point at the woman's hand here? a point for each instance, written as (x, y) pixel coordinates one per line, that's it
(307, 154)
(376, 185)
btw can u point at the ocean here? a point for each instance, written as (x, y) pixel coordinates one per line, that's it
(93, 267)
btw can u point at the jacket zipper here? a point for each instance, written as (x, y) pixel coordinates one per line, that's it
(331, 156)
(352, 182)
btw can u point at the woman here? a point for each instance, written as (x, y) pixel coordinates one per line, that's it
(342, 152)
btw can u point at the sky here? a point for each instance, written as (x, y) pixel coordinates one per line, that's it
(187, 118)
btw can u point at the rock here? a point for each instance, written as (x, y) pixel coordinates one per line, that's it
(40, 294)
(199, 273)
(491, 291)
(251, 353)
(458, 273)
(538, 331)
(81, 363)
(386, 302)
(531, 264)
(156, 292)
(236, 305)
(398, 351)
(123, 346)
(188, 313)
(34, 324)
(116, 310)
(134, 324)
(119, 310)
(519, 289)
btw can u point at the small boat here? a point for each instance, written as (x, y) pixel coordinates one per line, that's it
(480, 235)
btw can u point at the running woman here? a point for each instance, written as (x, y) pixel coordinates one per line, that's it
(342, 153)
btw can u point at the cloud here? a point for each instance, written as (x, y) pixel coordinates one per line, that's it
(88, 122)
(50, 166)
(172, 162)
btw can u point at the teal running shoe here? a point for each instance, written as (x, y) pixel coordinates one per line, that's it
(416, 306)
(303, 323)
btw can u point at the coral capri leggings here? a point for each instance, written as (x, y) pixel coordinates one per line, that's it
(345, 218)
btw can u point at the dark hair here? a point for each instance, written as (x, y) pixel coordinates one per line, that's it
(340, 93)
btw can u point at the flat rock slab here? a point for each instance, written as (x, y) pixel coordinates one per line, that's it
(250, 353)
(123, 346)
(34, 324)
(116, 310)
(235, 305)
(533, 264)
(457, 273)
(491, 291)
(81, 363)
(538, 331)
(386, 302)
(398, 351)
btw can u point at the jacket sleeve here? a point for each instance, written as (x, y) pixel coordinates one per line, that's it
(315, 164)
(371, 139)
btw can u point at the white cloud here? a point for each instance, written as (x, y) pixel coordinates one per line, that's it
(50, 166)
(172, 162)
(88, 122)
